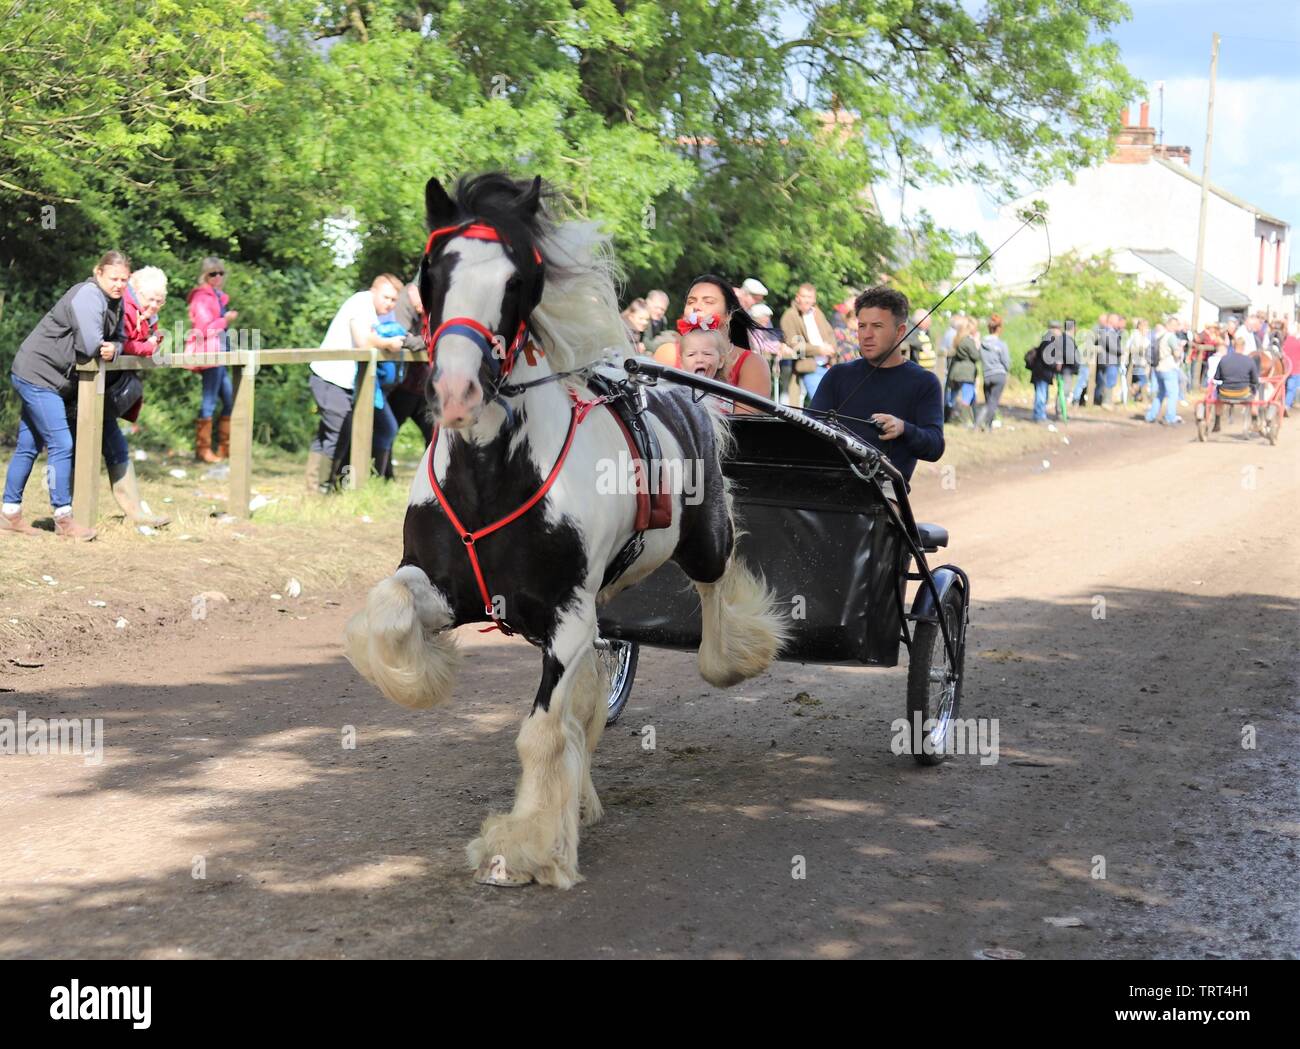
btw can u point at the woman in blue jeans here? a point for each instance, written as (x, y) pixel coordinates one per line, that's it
(1167, 391)
(85, 323)
(210, 317)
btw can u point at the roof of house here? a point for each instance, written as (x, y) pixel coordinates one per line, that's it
(1182, 169)
(1183, 270)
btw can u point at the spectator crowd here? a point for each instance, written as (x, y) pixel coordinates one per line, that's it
(725, 332)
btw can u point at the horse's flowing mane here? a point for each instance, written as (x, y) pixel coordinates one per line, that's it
(578, 320)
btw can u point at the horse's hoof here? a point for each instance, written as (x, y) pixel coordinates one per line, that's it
(495, 872)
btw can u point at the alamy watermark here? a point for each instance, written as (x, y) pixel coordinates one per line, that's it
(75, 1002)
(962, 736)
(624, 475)
(36, 736)
(183, 339)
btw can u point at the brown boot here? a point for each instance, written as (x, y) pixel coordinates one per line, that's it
(66, 528)
(223, 437)
(15, 525)
(203, 441)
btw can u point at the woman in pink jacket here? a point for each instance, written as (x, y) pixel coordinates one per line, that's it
(209, 319)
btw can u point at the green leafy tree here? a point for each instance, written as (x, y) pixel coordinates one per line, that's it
(935, 262)
(1080, 288)
(704, 136)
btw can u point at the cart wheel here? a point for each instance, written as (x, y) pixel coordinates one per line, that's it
(933, 685)
(617, 663)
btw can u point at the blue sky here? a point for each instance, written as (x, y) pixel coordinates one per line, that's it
(1256, 151)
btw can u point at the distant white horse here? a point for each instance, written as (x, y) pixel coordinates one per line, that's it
(507, 521)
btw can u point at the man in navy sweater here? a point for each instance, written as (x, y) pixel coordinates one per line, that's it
(902, 398)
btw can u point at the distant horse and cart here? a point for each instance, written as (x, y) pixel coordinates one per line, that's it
(1262, 404)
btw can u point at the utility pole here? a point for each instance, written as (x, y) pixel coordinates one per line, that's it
(1160, 136)
(1205, 194)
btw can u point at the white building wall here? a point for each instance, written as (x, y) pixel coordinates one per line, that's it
(1118, 206)
(1267, 295)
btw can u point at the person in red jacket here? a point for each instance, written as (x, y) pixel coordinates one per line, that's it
(210, 318)
(146, 292)
(1291, 351)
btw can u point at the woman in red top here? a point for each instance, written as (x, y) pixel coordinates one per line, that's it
(711, 303)
(145, 294)
(209, 321)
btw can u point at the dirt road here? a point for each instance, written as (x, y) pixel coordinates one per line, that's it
(1135, 620)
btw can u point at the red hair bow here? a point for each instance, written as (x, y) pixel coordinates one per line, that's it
(697, 323)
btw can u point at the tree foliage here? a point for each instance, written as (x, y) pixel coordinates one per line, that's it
(696, 131)
(1080, 288)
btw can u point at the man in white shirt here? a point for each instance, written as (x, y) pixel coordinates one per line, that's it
(332, 381)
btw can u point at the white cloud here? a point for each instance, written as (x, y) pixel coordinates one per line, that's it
(964, 208)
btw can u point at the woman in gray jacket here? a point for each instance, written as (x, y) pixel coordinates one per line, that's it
(85, 323)
(963, 371)
(996, 360)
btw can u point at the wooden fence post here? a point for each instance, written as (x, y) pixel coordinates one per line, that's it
(363, 422)
(88, 446)
(243, 380)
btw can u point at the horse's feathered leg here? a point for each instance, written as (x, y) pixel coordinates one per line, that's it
(401, 641)
(591, 809)
(538, 839)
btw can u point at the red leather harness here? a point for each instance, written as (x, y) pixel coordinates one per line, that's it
(579, 412)
(656, 514)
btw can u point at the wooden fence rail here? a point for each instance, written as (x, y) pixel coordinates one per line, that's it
(243, 365)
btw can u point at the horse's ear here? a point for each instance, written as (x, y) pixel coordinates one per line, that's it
(532, 198)
(439, 209)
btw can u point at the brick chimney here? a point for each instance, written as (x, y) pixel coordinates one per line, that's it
(1134, 143)
(1182, 154)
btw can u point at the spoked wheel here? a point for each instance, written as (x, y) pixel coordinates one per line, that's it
(934, 683)
(616, 661)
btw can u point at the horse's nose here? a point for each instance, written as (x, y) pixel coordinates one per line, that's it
(458, 399)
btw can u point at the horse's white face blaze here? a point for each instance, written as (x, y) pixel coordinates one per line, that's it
(477, 287)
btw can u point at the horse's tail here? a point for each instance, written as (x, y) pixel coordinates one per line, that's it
(401, 643)
(743, 626)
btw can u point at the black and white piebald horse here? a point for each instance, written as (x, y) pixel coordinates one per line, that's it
(507, 522)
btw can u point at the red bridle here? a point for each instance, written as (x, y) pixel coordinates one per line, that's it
(500, 364)
(579, 412)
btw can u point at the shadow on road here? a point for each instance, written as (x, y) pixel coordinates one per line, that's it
(1121, 740)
